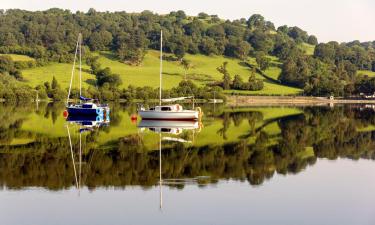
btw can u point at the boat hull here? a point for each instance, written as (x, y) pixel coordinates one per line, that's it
(75, 111)
(187, 124)
(165, 115)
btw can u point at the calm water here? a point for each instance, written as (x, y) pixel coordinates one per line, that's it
(254, 165)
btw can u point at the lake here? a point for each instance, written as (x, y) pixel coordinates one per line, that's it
(244, 165)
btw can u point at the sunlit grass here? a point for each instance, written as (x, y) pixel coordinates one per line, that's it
(203, 70)
(16, 57)
(309, 49)
(62, 72)
(366, 73)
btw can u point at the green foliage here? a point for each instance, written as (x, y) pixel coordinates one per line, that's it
(7, 66)
(43, 37)
(355, 53)
(13, 90)
(237, 83)
(104, 76)
(226, 76)
(254, 84)
(262, 60)
(316, 77)
(312, 40)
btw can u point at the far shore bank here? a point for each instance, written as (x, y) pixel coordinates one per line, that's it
(290, 100)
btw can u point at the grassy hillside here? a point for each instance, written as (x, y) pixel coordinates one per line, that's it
(147, 74)
(19, 57)
(203, 70)
(366, 72)
(309, 49)
(62, 72)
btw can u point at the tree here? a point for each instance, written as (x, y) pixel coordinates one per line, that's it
(100, 40)
(312, 40)
(237, 82)
(261, 41)
(256, 21)
(179, 52)
(226, 76)
(203, 15)
(54, 84)
(298, 34)
(253, 83)
(262, 60)
(238, 49)
(186, 64)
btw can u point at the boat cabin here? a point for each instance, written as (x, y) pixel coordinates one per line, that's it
(167, 108)
(89, 105)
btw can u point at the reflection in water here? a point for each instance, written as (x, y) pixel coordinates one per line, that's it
(133, 166)
(244, 144)
(85, 124)
(172, 128)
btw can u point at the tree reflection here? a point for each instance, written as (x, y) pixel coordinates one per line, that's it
(316, 133)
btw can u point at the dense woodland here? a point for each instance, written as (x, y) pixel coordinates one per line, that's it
(50, 36)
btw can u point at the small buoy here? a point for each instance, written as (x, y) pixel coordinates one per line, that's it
(65, 114)
(134, 117)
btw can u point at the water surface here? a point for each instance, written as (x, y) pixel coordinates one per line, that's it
(249, 165)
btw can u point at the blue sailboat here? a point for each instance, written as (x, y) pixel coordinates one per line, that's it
(86, 106)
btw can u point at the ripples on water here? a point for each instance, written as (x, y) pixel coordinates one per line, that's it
(274, 164)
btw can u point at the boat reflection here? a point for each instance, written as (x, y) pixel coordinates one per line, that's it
(88, 123)
(85, 124)
(169, 126)
(165, 128)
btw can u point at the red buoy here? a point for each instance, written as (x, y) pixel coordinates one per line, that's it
(134, 118)
(65, 114)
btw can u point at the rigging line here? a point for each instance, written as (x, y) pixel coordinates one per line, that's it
(160, 178)
(72, 154)
(80, 65)
(161, 64)
(80, 159)
(71, 78)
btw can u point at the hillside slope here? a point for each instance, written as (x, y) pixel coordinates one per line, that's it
(147, 74)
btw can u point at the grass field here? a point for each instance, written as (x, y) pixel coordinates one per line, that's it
(147, 74)
(309, 49)
(203, 70)
(270, 88)
(366, 72)
(61, 71)
(19, 57)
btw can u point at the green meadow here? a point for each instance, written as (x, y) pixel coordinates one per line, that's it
(366, 73)
(19, 58)
(309, 49)
(203, 70)
(62, 72)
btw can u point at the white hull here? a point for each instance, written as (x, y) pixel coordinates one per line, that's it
(168, 124)
(165, 115)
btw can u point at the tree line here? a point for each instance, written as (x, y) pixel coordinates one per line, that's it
(50, 35)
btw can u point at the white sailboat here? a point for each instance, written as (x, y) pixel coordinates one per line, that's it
(168, 112)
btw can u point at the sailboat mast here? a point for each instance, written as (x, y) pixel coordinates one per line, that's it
(161, 63)
(71, 78)
(80, 65)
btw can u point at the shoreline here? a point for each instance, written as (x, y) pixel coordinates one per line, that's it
(290, 100)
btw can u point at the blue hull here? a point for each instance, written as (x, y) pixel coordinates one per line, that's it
(82, 111)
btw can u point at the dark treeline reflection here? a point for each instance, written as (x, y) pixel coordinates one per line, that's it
(318, 132)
